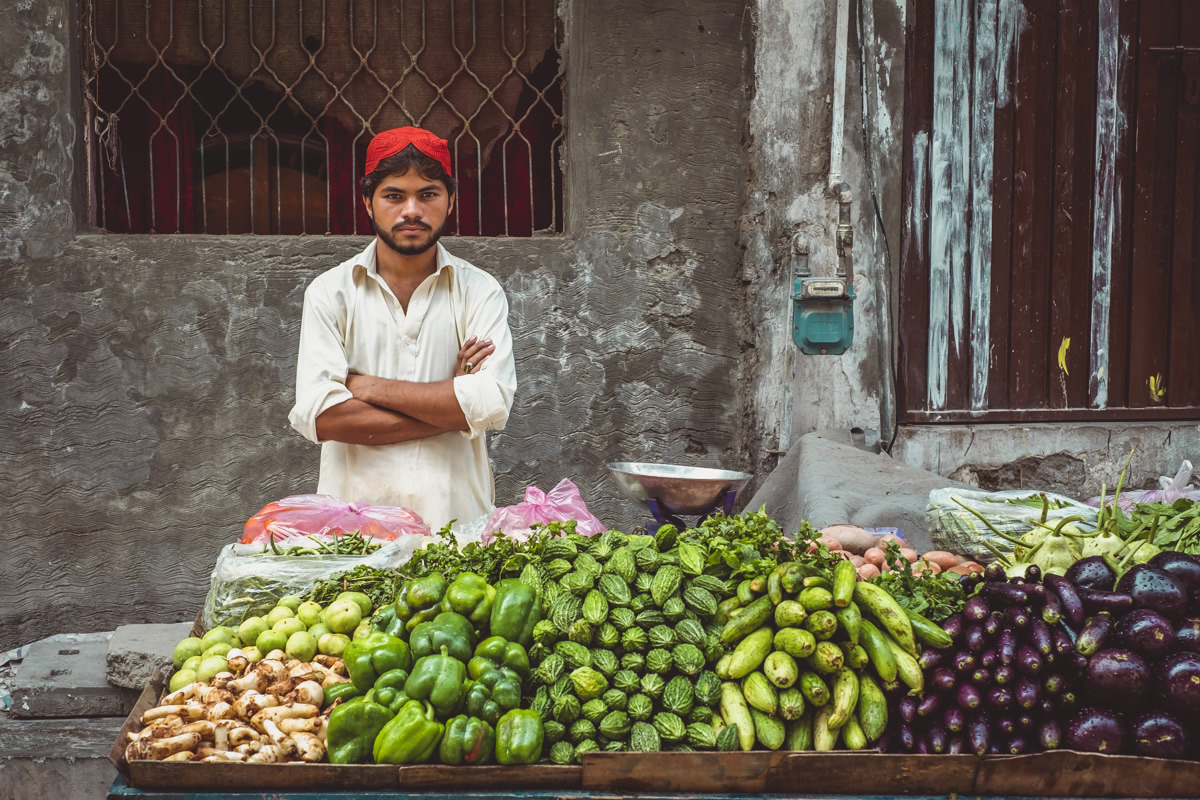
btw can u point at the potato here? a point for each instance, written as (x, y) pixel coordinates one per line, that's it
(875, 556)
(960, 569)
(868, 571)
(831, 542)
(852, 538)
(857, 561)
(891, 537)
(920, 566)
(944, 559)
(909, 554)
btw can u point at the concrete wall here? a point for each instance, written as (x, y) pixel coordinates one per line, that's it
(149, 377)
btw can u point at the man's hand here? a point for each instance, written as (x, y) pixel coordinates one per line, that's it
(471, 356)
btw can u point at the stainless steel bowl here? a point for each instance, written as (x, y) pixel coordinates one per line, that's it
(680, 490)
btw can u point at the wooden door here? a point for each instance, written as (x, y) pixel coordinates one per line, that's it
(1051, 252)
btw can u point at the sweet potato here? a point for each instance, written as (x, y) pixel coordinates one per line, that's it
(909, 554)
(852, 538)
(944, 559)
(891, 537)
(857, 561)
(920, 565)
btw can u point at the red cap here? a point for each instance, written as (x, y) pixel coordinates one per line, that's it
(389, 143)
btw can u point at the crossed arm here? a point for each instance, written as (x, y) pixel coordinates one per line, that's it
(385, 411)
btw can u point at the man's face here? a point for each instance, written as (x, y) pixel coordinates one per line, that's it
(409, 212)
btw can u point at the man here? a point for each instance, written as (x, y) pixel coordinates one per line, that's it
(405, 353)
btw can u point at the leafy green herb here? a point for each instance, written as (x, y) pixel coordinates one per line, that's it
(934, 596)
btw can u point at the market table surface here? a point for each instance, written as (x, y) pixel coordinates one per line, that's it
(120, 789)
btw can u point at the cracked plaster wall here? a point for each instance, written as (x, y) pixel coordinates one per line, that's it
(149, 377)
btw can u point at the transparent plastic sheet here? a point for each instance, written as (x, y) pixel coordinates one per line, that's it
(560, 504)
(1169, 490)
(325, 515)
(954, 528)
(249, 579)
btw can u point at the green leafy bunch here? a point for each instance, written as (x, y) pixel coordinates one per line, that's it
(934, 596)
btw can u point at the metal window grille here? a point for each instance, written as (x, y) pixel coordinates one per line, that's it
(253, 116)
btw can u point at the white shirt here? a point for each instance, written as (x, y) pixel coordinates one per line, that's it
(353, 323)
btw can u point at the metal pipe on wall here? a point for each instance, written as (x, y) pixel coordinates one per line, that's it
(837, 132)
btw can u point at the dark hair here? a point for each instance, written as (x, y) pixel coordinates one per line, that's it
(408, 159)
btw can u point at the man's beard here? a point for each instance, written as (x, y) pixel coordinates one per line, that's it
(409, 249)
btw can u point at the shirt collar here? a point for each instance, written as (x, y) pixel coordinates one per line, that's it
(366, 259)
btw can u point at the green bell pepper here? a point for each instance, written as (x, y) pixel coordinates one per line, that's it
(449, 630)
(494, 691)
(519, 736)
(386, 621)
(470, 595)
(468, 740)
(374, 654)
(352, 728)
(421, 600)
(411, 737)
(439, 680)
(389, 689)
(515, 610)
(503, 653)
(345, 691)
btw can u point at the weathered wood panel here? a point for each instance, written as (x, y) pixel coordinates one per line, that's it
(1078, 233)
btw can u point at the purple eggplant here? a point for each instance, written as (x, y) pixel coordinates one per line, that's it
(1187, 637)
(969, 698)
(1033, 574)
(1179, 682)
(1096, 730)
(974, 638)
(922, 746)
(1007, 647)
(994, 573)
(1050, 734)
(979, 734)
(937, 738)
(1145, 632)
(955, 746)
(1000, 697)
(953, 625)
(1017, 745)
(1181, 566)
(1052, 608)
(907, 708)
(1063, 643)
(1068, 596)
(944, 678)
(1046, 707)
(1035, 591)
(1005, 725)
(929, 659)
(1026, 722)
(1029, 660)
(994, 623)
(929, 705)
(1095, 632)
(982, 676)
(1092, 572)
(964, 661)
(1095, 601)
(955, 719)
(1027, 694)
(1118, 679)
(906, 737)
(1054, 685)
(1157, 734)
(1068, 701)
(1155, 589)
(988, 658)
(1004, 675)
(976, 609)
(1040, 636)
(1005, 594)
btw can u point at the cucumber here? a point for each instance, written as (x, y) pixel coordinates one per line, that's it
(854, 656)
(845, 697)
(852, 734)
(753, 617)
(844, 578)
(796, 642)
(737, 713)
(827, 659)
(927, 631)
(872, 710)
(800, 732)
(775, 585)
(889, 613)
(907, 667)
(850, 618)
(750, 653)
(873, 641)
(825, 738)
(816, 598)
(770, 732)
(813, 688)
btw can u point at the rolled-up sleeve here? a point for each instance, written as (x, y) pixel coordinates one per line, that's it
(486, 396)
(321, 367)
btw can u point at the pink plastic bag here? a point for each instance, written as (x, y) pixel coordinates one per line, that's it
(562, 503)
(326, 516)
(1169, 491)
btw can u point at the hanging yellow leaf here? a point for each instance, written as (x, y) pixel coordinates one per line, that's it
(1062, 354)
(1158, 389)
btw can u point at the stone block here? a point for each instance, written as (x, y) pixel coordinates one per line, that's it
(63, 678)
(136, 650)
(56, 758)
